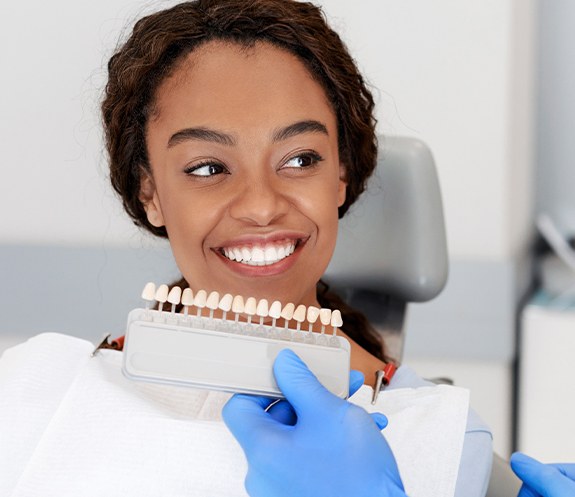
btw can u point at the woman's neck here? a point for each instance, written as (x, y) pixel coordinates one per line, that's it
(363, 361)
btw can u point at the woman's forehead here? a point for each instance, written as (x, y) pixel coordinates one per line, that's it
(227, 82)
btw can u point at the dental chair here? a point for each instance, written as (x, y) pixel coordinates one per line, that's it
(392, 250)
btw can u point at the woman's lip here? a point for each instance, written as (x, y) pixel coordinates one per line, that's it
(258, 271)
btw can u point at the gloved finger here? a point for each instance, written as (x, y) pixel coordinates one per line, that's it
(300, 386)
(525, 491)
(544, 479)
(246, 417)
(356, 380)
(568, 469)
(283, 413)
(380, 420)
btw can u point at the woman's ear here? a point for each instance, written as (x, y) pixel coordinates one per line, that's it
(149, 198)
(342, 186)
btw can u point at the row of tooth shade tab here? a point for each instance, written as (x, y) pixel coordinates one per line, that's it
(249, 307)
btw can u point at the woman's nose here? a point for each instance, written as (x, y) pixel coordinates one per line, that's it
(260, 201)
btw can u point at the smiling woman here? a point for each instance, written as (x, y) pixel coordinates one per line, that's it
(244, 128)
(241, 131)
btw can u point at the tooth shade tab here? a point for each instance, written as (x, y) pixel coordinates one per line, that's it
(262, 309)
(251, 306)
(162, 294)
(175, 295)
(238, 305)
(275, 309)
(325, 316)
(336, 320)
(149, 292)
(213, 300)
(187, 297)
(226, 302)
(200, 299)
(312, 314)
(287, 311)
(299, 314)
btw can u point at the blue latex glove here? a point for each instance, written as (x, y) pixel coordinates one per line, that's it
(330, 448)
(282, 410)
(543, 480)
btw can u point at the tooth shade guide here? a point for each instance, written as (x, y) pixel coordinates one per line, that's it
(152, 349)
(293, 315)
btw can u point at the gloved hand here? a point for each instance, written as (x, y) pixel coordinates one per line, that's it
(282, 410)
(328, 447)
(543, 480)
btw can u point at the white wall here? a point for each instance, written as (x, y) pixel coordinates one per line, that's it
(456, 74)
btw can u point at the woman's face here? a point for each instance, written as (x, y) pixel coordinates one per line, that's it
(245, 172)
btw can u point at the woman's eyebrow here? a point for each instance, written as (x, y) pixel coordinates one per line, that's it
(211, 135)
(308, 126)
(204, 134)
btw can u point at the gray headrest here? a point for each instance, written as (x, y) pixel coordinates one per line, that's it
(393, 239)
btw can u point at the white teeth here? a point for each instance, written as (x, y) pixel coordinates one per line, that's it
(271, 254)
(246, 254)
(258, 255)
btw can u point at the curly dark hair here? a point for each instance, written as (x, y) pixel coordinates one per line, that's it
(161, 40)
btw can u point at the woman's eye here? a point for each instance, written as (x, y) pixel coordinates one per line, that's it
(208, 169)
(303, 160)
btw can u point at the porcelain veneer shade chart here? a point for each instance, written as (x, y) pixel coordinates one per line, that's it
(205, 349)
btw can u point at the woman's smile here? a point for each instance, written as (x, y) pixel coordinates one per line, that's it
(262, 257)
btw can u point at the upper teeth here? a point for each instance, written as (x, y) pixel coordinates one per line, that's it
(260, 255)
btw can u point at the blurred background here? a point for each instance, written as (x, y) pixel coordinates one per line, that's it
(489, 85)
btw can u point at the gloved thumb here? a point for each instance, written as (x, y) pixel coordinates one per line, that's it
(356, 380)
(544, 479)
(300, 386)
(380, 420)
